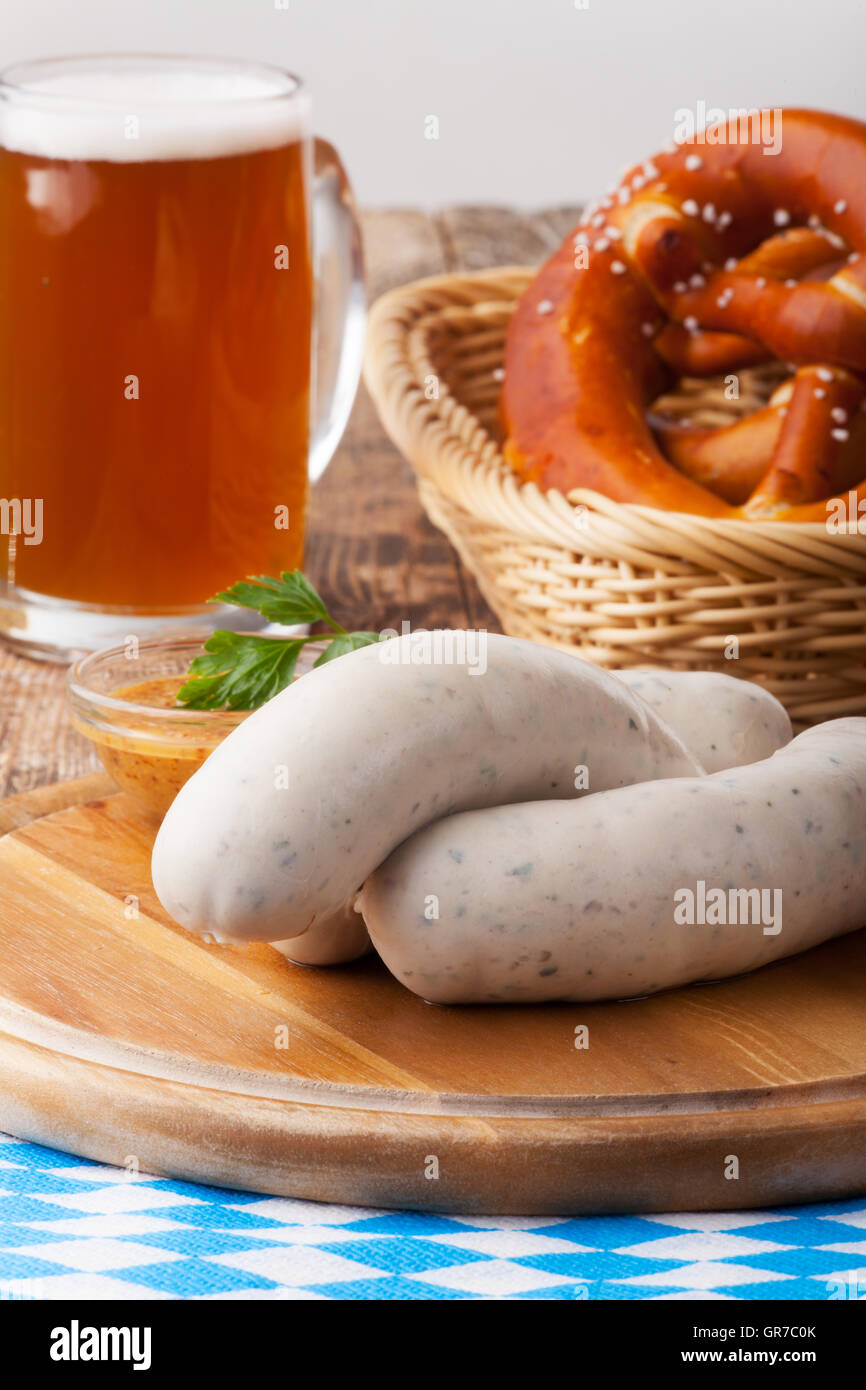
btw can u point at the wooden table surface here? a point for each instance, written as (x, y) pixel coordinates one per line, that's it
(371, 551)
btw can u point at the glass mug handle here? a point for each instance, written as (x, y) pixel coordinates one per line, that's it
(340, 305)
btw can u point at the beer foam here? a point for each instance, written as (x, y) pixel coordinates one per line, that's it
(127, 110)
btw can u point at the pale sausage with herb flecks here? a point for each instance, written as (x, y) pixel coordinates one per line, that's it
(580, 900)
(722, 720)
(289, 816)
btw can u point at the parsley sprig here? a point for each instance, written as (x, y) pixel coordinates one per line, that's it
(240, 670)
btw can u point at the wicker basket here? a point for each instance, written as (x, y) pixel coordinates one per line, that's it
(620, 585)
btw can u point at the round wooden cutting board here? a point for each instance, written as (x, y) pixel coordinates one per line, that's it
(126, 1039)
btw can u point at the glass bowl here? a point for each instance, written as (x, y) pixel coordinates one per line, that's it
(123, 699)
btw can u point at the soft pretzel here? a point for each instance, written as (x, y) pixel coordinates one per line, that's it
(711, 257)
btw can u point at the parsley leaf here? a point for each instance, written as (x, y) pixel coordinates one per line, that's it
(289, 599)
(240, 670)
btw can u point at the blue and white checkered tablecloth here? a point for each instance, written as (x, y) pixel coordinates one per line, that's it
(73, 1229)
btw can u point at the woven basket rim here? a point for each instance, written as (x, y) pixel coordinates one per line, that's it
(425, 433)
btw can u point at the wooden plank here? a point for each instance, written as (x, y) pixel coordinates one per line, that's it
(477, 237)
(37, 743)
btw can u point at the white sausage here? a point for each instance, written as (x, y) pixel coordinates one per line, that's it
(577, 900)
(288, 817)
(336, 939)
(723, 720)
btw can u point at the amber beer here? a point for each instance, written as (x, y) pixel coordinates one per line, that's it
(155, 333)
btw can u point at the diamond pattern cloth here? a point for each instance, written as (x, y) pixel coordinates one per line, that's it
(73, 1229)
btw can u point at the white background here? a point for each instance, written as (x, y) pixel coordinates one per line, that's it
(538, 101)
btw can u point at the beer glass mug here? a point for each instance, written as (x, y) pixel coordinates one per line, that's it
(169, 232)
